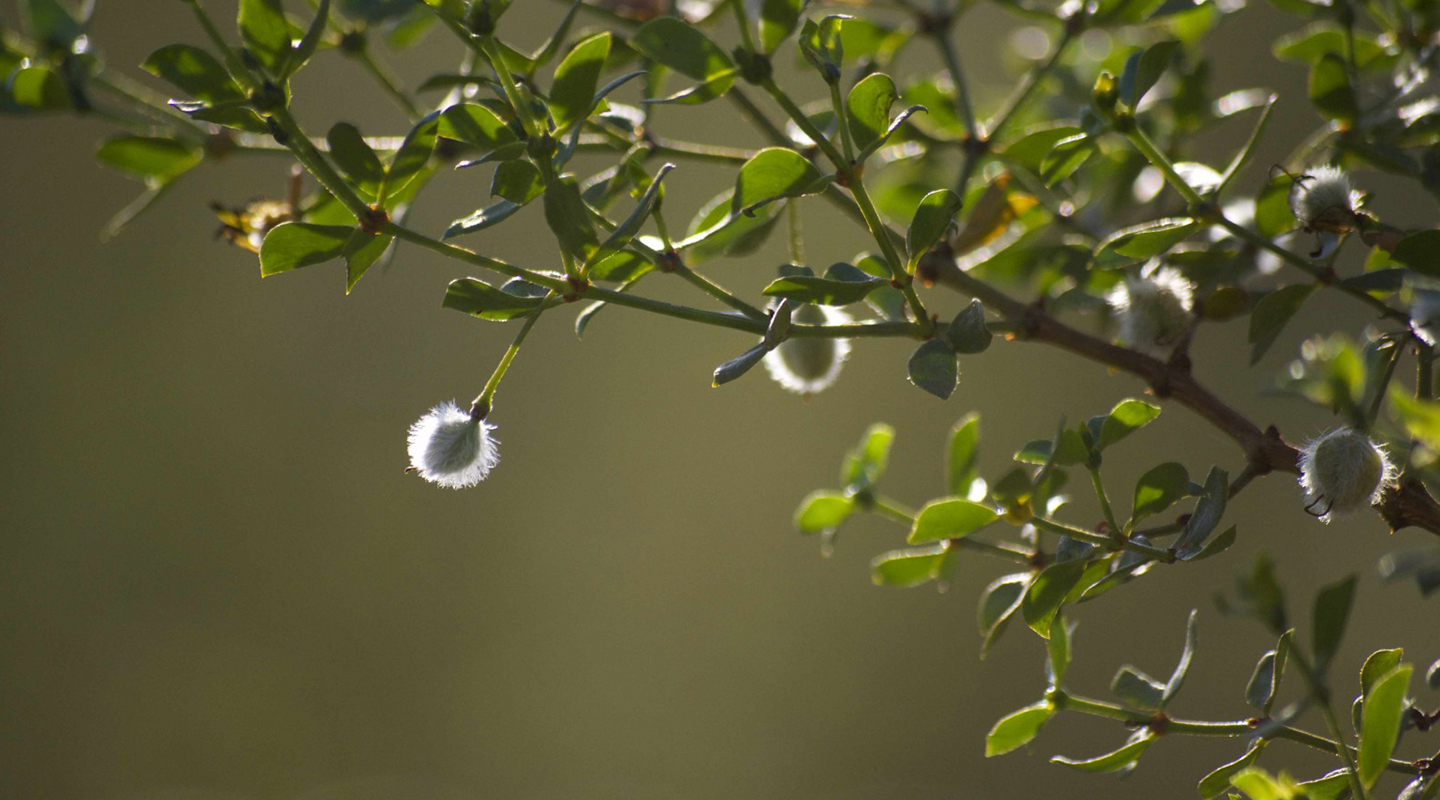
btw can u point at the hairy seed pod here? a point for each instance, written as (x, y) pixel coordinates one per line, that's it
(451, 448)
(809, 364)
(1343, 471)
(1154, 309)
(1324, 201)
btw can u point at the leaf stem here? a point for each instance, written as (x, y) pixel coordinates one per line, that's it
(1099, 485)
(1101, 540)
(483, 402)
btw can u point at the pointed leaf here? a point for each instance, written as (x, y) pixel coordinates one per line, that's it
(963, 456)
(1272, 313)
(1113, 761)
(1048, 591)
(932, 218)
(1159, 488)
(299, 244)
(1380, 727)
(911, 567)
(1332, 612)
(1177, 678)
(950, 519)
(932, 367)
(573, 92)
(1017, 729)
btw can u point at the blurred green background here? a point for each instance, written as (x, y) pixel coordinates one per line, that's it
(217, 582)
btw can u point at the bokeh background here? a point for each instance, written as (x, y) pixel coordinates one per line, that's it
(217, 582)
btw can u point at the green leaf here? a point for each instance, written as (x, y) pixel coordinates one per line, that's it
(967, 333)
(1272, 208)
(1177, 678)
(1031, 149)
(1380, 726)
(778, 19)
(1137, 689)
(194, 72)
(1159, 488)
(738, 366)
(822, 46)
(998, 603)
(1316, 41)
(1067, 156)
(810, 289)
(932, 218)
(1332, 612)
(1145, 241)
(868, 108)
(932, 367)
(822, 511)
(51, 24)
(1379, 664)
(478, 298)
(39, 88)
(1209, 510)
(1058, 651)
(677, 45)
(1217, 782)
(1143, 68)
(481, 219)
(517, 181)
(1124, 419)
(963, 455)
(771, 174)
(912, 567)
(1330, 89)
(626, 230)
(414, 153)
(1419, 251)
(569, 219)
(1048, 591)
(299, 244)
(864, 465)
(1017, 729)
(361, 253)
(265, 33)
(356, 159)
(1113, 761)
(572, 95)
(1215, 546)
(477, 125)
(1272, 313)
(311, 40)
(950, 519)
(151, 159)
(1264, 684)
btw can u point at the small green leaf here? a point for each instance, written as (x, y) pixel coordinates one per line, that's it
(1377, 666)
(1419, 251)
(864, 465)
(1273, 215)
(1209, 510)
(932, 218)
(1017, 729)
(1380, 727)
(967, 333)
(810, 289)
(194, 72)
(950, 519)
(308, 43)
(998, 603)
(822, 511)
(738, 366)
(771, 174)
(1159, 488)
(677, 45)
(481, 219)
(299, 244)
(39, 88)
(1332, 612)
(963, 455)
(1048, 591)
(356, 159)
(868, 108)
(477, 125)
(1058, 650)
(1272, 313)
(1217, 782)
(1124, 419)
(569, 219)
(911, 567)
(361, 253)
(1265, 682)
(573, 93)
(149, 158)
(480, 299)
(778, 19)
(1330, 89)
(1143, 68)
(517, 181)
(1113, 761)
(1177, 678)
(1137, 689)
(932, 367)
(1145, 241)
(265, 33)
(414, 153)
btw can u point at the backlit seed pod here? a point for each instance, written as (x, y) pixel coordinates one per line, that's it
(809, 364)
(1425, 314)
(450, 448)
(1154, 309)
(1324, 201)
(1343, 471)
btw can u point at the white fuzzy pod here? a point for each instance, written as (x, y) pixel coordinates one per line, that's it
(1425, 315)
(450, 449)
(1323, 200)
(1154, 309)
(810, 364)
(1343, 471)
